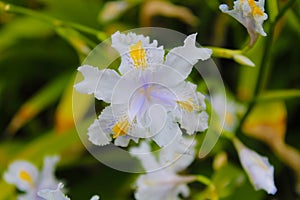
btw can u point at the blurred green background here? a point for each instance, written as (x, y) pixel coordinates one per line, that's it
(42, 42)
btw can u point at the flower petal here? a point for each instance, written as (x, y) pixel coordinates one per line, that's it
(180, 153)
(144, 154)
(257, 167)
(22, 174)
(47, 178)
(250, 14)
(161, 185)
(127, 85)
(123, 43)
(95, 197)
(190, 111)
(168, 133)
(194, 122)
(98, 82)
(183, 58)
(123, 141)
(55, 194)
(97, 134)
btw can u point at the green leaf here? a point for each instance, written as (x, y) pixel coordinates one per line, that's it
(247, 78)
(227, 179)
(79, 11)
(278, 95)
(22, 28)
(78, 41)
(272, 10)
(37, 103)
(64, 116)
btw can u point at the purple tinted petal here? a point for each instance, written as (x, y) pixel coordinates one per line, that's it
(136, 105)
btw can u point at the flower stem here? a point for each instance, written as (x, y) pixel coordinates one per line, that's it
(265, 67)
(224, 53)
(54, 22)
(206, 181)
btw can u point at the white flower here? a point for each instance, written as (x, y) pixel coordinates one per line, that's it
(233, 109)
(150, 96)
(28, 179)
(251, 14)
(57, 194)
(257, 167)
(164, 183)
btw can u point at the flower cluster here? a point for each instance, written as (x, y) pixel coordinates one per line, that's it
(249, 13)
(150, 95)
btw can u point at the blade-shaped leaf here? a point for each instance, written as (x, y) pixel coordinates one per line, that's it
(38, 102)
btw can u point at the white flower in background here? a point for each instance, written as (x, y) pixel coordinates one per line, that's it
(26, 177)
(164, 183)
(257, 167)
(251, 14)
(149, 96)
(57, 194)
(233, 109)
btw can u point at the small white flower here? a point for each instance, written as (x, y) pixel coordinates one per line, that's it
(150, 96)
(28, 179)
(251, 14)
(257, 167)
(164, 183)
(57, 194)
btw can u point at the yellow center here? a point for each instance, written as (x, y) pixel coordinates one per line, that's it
(138, 55)
(187, 105)
(120, 128)
(255, 9)
(25, 176)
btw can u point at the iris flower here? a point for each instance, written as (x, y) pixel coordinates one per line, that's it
(149, 96)
(251, 14)
(29, 180)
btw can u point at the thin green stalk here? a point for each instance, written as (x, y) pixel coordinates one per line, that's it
(54, 22)
(224, 53)
(202, 179)
(206, 181)
(265, 64)
(265, 67)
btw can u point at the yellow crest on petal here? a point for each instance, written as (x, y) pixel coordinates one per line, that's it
(138, 55)
(255, 9)
(120, 128)
(25, 176)
(187, 105)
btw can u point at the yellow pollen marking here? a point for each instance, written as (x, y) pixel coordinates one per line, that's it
(120, 128)
(261, 164)
(25, 176)
(255, 9)
(138, 55)
(187, 105)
